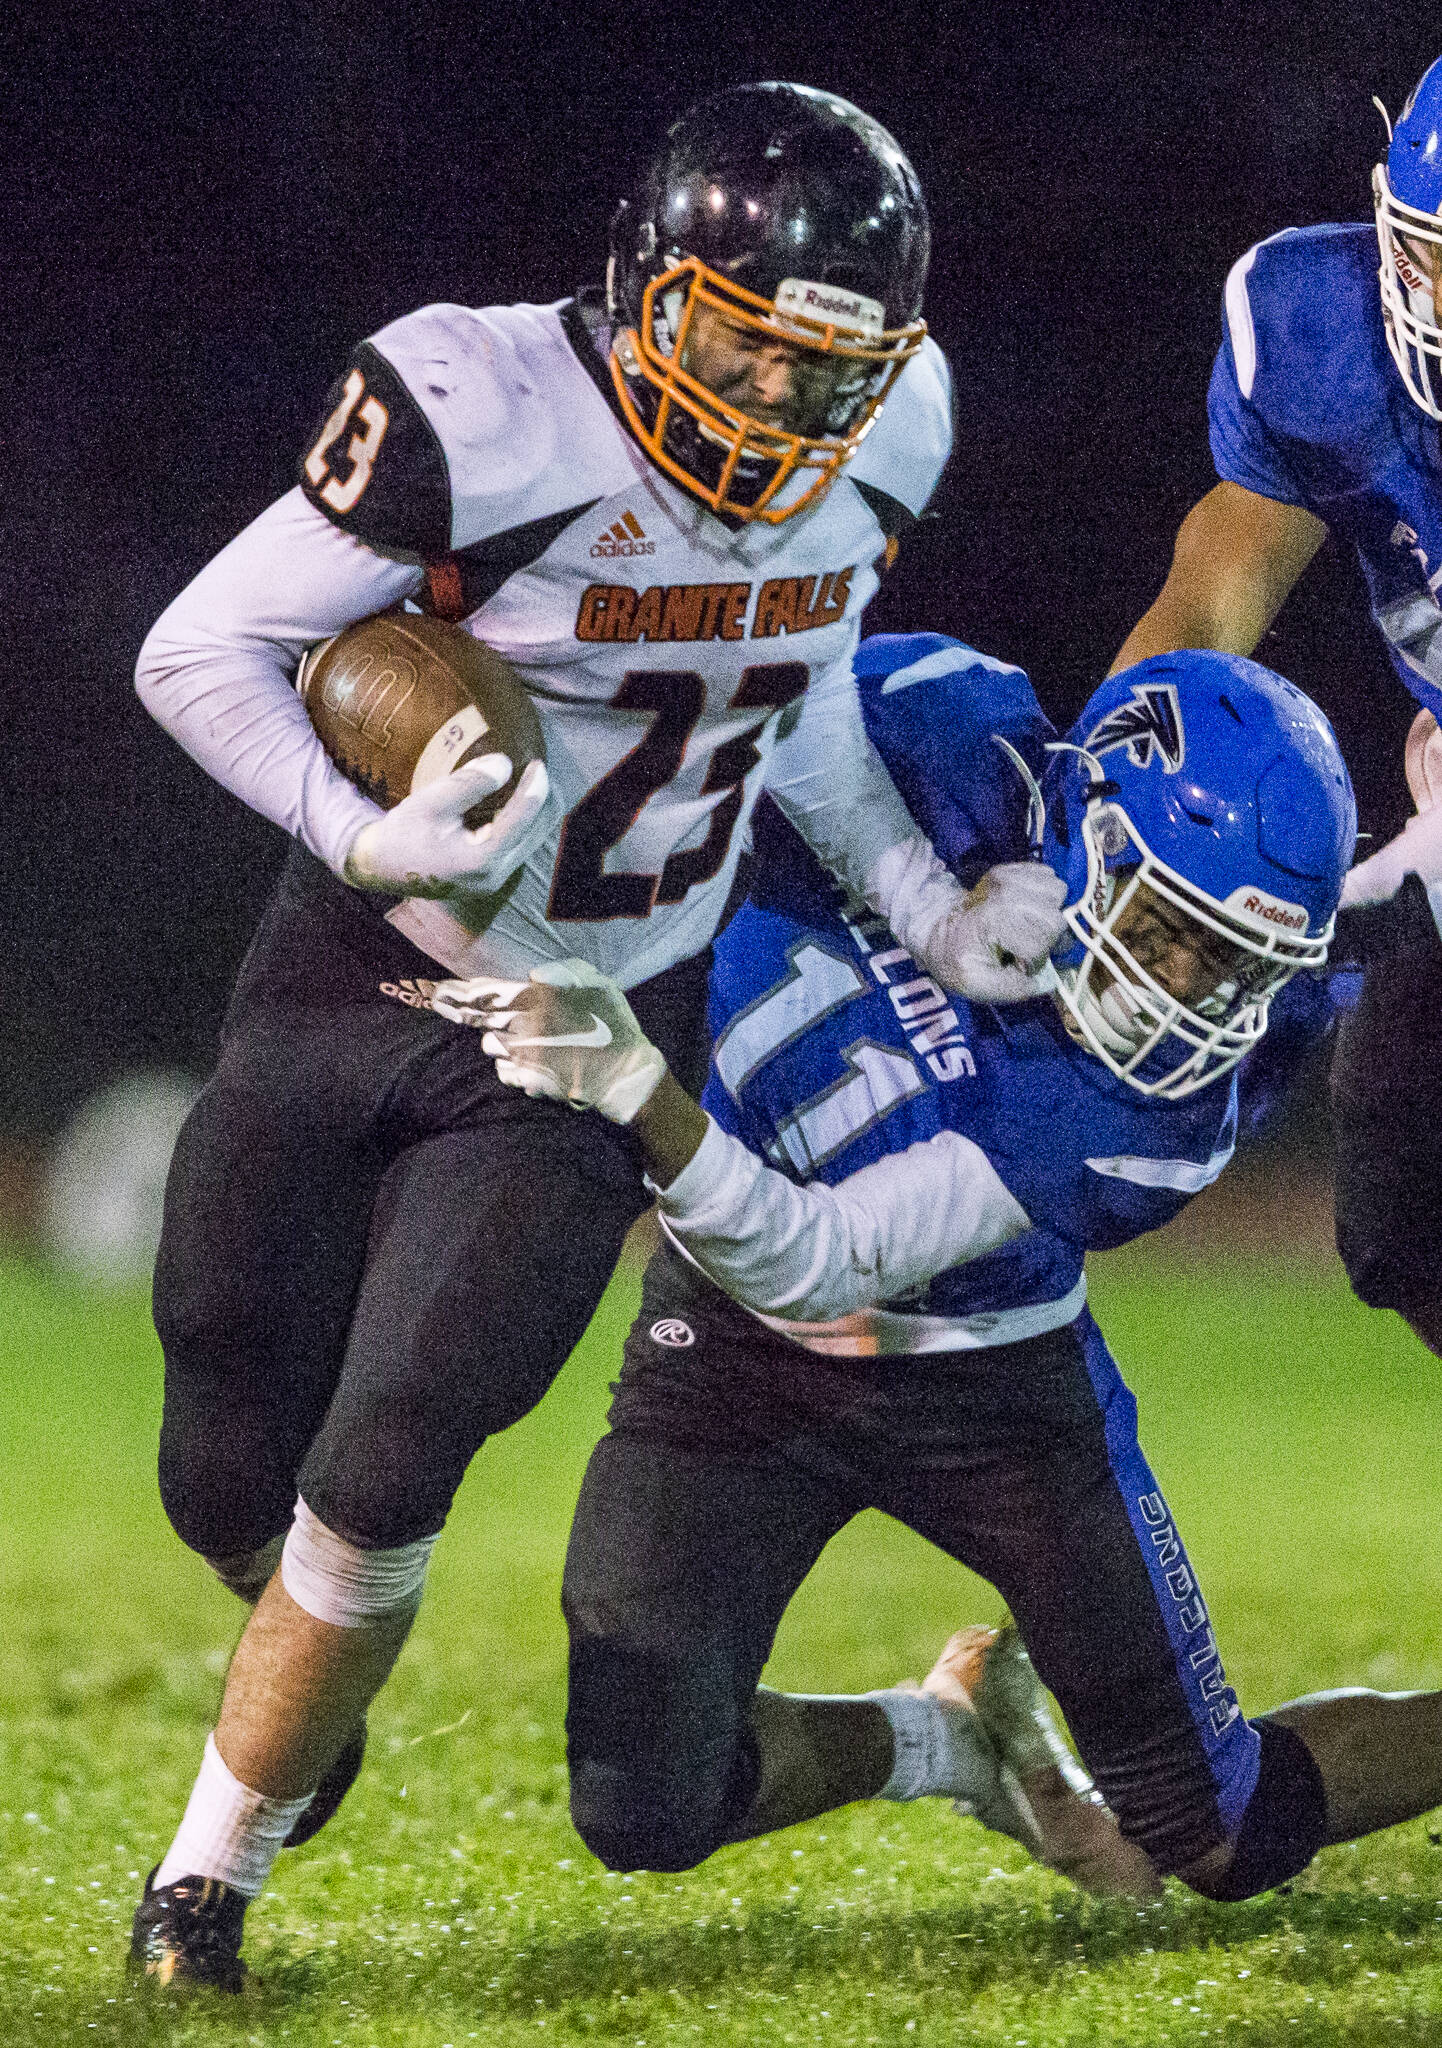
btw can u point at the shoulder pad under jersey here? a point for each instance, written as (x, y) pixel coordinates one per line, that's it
(1304, 350)
(934, 710)
(453, 424)
(905, 452)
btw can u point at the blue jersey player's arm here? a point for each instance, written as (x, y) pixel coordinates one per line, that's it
(934, 710)
(1242, 548)
(813, 1253)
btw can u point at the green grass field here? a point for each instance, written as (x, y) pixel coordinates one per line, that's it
(452, 1903)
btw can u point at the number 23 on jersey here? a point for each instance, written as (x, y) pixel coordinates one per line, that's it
(581, 888)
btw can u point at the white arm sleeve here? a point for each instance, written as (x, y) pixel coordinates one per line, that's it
(216, 667)
(814, 1253)
(834, 787)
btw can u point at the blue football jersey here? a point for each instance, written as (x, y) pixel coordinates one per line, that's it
(834, 1048)
(1307, 406)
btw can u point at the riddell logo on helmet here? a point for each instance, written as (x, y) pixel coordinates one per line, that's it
(827, 302)
(626, 537)
(1265, 909)
(1409, 273)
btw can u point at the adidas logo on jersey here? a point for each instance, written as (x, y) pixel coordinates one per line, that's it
(626, 537)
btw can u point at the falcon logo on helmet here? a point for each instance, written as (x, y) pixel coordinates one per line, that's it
(1149, 727)
(784, 221)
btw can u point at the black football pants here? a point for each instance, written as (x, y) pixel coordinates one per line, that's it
(374, 1254)
(1386, 1092)
(735, 1455)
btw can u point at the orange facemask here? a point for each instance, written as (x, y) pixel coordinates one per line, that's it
(734, 437)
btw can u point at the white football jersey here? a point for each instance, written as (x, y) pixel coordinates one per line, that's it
(667, 653)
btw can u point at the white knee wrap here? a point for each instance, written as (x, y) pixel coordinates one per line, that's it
(350, 1588)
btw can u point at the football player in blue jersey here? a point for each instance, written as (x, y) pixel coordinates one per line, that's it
(900, 1187)
(1324, 406)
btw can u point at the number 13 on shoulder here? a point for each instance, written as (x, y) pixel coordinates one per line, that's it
(342, 494)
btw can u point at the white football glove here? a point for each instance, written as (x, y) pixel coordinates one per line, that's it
(423, 846)
(1422, 761)
(993, 944)
(568, 1033)
(1416, 849)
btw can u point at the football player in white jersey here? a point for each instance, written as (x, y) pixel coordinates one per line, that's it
(666, 505)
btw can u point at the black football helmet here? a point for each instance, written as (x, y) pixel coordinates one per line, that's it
(787, 211)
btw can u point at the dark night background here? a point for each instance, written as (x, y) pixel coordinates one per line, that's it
(205, 210)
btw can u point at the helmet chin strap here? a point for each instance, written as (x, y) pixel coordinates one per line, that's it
(1093, 761)
(1036, 802)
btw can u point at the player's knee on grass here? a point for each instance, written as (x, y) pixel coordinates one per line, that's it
(632, 1822)
(1282, 1829)
(662, 1762)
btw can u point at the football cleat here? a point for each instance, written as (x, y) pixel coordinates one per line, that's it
(1078, 1837)
(970, 1772)
(330, 1791)
(188, 1933)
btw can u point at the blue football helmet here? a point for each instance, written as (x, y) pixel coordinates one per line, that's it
(1199, 812)
(1407, 189)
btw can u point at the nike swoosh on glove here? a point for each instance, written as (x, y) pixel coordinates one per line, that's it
(424, 848)
(993, 944)
(568, 1034)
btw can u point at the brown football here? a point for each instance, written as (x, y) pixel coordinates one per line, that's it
(400, 699)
